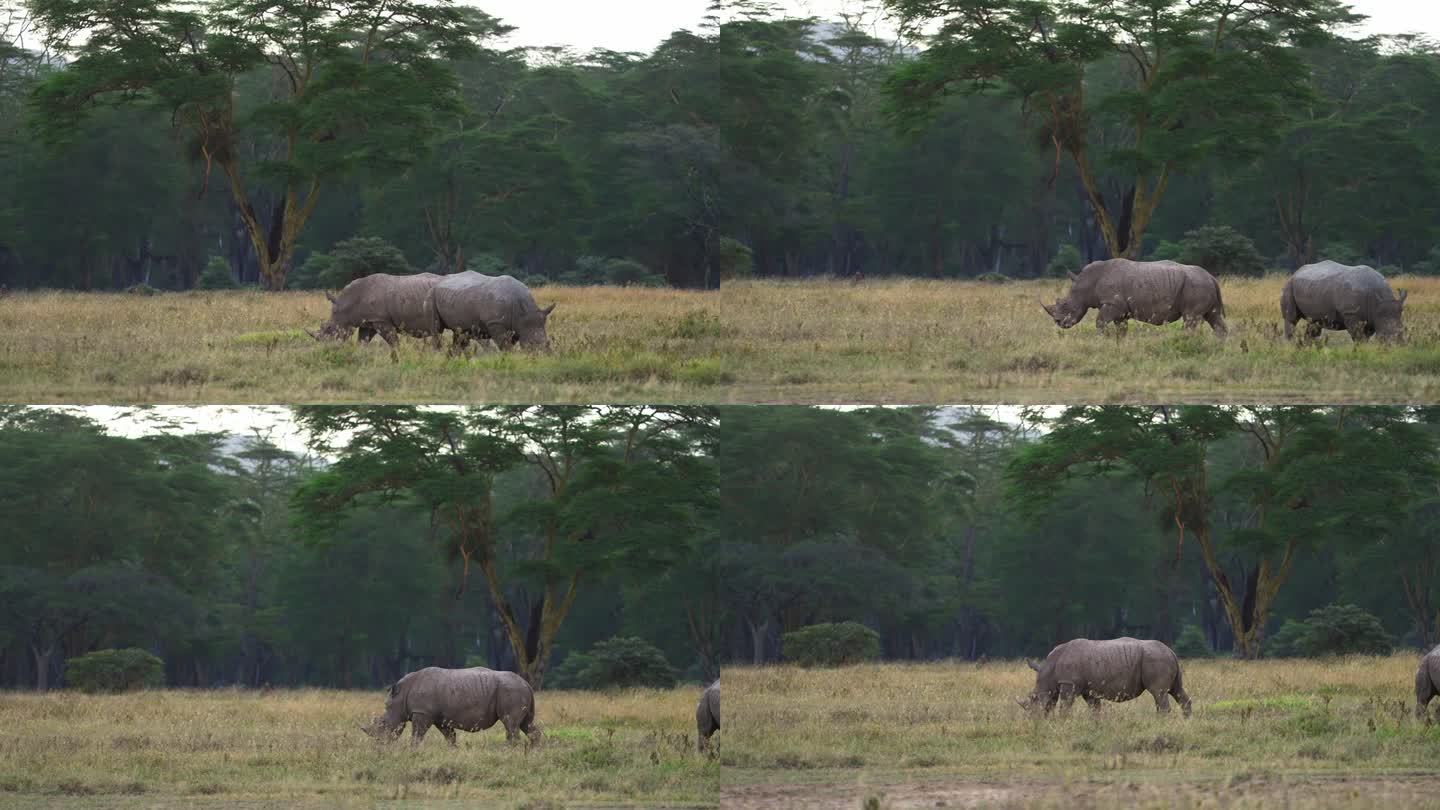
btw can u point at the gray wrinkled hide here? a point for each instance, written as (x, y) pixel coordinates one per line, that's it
(1331, 295)
(1152, 292)
(471, 699)
(381, 304)
(1427, 682)
(707, 716)
(498, 308)
(1117, 669)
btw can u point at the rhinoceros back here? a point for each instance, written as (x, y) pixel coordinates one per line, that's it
(399, 301)
(1325, 290)
(469, 299)
(472, 698)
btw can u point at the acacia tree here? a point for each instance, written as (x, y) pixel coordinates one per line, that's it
(356, 85)
(1303, 477)
(1142, 89)
(601, 490)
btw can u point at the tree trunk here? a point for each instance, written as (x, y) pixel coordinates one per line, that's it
(42, 666)
(758, 633)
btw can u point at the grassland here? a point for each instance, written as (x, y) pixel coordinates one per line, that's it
(611, 345)
(1264, 734)
(960, 342)
(303, 748)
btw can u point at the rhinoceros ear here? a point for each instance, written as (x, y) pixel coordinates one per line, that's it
(1401, 298)
(329, 296)
(1032, 665)
(547, 310)
(395, 688)
(1073, 275)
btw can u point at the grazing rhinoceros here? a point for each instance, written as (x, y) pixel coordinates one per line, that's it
(707, 716)
(1331, 295)
(498, 308)
(467, 699)
(380, 304)
(1153, 292)
(1118, 669)
(1427, 682)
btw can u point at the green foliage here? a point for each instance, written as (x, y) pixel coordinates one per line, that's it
(115, 671)
(1289, 641)
(217, 276)
(620, 662)
(1336, 630)
(312, 274)
(594, 270)
(1067, 260)
(1223, 251)
(360, 257)
(736, 259)
(1191, 643)
(831, 645)
(1166, 251)
(1430, 265)
(1341, 252)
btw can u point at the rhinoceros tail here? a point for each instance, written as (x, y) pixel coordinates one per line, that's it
(1219, 300)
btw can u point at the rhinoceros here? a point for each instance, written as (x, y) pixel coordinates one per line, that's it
(1427, 682)
(380, 304)
(498, 308)
(1153, 292)
(1331, 295)
(707, 716)
(471, 699)
(1116, 669)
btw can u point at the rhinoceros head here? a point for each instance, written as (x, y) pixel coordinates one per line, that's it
(388, 726)
(329, 330)
(530, 333)
(1063, 312)
(1388, 323)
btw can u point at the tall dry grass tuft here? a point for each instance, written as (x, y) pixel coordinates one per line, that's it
(286, 747)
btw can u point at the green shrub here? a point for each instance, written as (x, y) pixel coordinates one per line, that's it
(360, 257)
(1342, 252)
(1067, 260)
(1428, 266)
(627, 273)
(1332, 630)
(216, 276)
(141, 289)
(115, 671)
(1388, 270)
(308, 275)
(1223, 251)
(620, 662)
(736, 259)
(831, 645)
(1192, 644)
(993, 278)
(1165, 251)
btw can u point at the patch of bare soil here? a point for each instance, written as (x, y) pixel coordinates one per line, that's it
(1239, 792)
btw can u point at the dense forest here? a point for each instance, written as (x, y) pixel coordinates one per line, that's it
(995, 138)
(510, 537)
(173, 137)
(954, 533)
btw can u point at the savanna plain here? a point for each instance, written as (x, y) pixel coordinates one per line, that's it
(286, 748)
(1301, 733)
(753, 341)
(611, 344)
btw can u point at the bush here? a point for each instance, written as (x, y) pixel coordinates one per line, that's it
(141, 289)
(620, 662)
(115, 671)
(1223, 251)
(360, 257)
(1388, 270)
(831, 645)
(1192, 644)
(308, 275)
(216, 276)
(1067, 260)
(1342, 252)
(736, 260)
(1166, 251)
(1332, 630)
(1428, 266)
(993, 278)
(627, 273)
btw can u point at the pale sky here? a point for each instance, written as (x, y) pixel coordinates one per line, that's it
(619, 25)
(1386, 16)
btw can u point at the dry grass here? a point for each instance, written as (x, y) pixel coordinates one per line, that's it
(611, 345)
(958, 342)
(1306, 733)
(290, 747)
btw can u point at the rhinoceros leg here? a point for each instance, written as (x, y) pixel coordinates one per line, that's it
(448, 731)
(1357, 329)
(365, 334)
(1217, 323)
(1424, 693)
(391, 337)
(1094, 703)
(419, 724)
(1162, 701)
(1067, 698)
(1181, 698)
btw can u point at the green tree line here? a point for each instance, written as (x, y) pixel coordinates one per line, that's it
(140, 142)
(509, 537)
(952, 533)
(1026, 137)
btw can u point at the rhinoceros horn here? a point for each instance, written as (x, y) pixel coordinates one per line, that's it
(312, 334)
(1022, 704)
(1032, 665)
(329, 296)
(1049, 308)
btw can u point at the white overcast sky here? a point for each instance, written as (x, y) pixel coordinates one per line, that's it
(619, 25)
(1386, 16)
